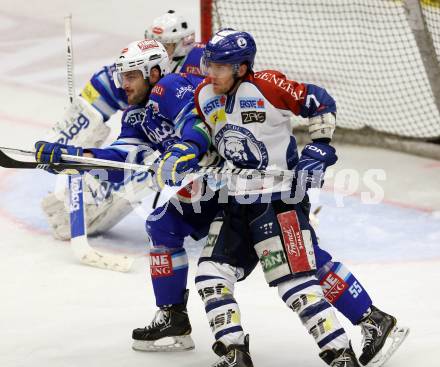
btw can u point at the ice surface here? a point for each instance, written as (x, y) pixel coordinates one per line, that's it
(56, 312)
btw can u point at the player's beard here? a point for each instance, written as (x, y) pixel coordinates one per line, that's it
(136, 97)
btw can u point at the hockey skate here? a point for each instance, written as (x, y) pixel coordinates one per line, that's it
(168, 332)
(344, 357)
(381, 338)
(234, 355)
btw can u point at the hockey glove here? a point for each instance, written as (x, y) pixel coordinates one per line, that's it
(46, 152)
(314, 160)
(171, 168)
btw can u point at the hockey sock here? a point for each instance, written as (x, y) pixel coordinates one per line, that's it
(169, 272)
(304, 296)
(215, 285)
(344, 291)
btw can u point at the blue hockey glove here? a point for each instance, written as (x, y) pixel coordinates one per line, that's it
(46, 152)
(314, 160)
(179, 160)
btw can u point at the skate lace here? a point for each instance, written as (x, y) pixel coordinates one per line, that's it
(369, 331)
(160, 318)
(224, 361)
(341, 361)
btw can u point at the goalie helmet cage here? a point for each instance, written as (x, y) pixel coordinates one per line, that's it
(378, 58)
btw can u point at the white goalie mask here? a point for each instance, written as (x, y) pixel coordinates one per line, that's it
(173, 28)
(141, 55)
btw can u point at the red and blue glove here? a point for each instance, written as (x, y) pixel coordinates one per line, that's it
(314, 160)
(180, 159)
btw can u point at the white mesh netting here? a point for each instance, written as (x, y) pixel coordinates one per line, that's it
(363, 52)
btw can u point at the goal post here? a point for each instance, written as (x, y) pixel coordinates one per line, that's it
(378, 58)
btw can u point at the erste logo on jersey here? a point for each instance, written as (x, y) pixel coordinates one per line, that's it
(256, 104)
(239, 145)
(147, 44)
(214, 109)
(135, 116)
(251, 102)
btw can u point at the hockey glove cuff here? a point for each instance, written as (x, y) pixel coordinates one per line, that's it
(314, 160)
(179, 160)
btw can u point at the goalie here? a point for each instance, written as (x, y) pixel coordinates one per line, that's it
(84, 124)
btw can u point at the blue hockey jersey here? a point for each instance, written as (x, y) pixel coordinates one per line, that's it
(152, 126)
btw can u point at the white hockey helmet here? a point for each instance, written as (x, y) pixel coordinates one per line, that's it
(172, 28)
(142, 55)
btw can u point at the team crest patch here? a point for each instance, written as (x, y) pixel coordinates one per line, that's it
(239, 145)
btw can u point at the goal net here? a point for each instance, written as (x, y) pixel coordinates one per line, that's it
(378, 58)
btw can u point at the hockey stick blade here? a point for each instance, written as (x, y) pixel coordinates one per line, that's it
(87, 255)
(63, 167)
(80, 245)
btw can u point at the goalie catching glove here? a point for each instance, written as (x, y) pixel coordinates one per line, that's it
(179, 160)
(314, 160)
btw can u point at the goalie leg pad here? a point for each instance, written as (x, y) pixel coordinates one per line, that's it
(215, 284)
(304, 296)
(342, 289)
(169, 273)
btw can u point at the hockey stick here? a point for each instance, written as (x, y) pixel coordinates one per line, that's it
(78, 229)
(96, 163)
(62, 167)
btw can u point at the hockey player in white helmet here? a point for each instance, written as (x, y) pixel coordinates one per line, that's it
(149, 124)
(174, 32)
(84, 124)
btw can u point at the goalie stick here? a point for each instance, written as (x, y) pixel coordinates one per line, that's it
(79, 242)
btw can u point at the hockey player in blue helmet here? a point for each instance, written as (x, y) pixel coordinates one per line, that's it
(247, 114)
(224, 54)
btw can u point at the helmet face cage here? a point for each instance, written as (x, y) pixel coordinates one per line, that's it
(172, 28)
(141, 55)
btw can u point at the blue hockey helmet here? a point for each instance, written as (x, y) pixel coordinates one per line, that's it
(229, 46)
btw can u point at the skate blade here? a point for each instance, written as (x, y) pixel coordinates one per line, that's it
(168, 344)
(393, 342)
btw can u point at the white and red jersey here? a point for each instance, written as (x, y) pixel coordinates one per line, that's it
(251, 128)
